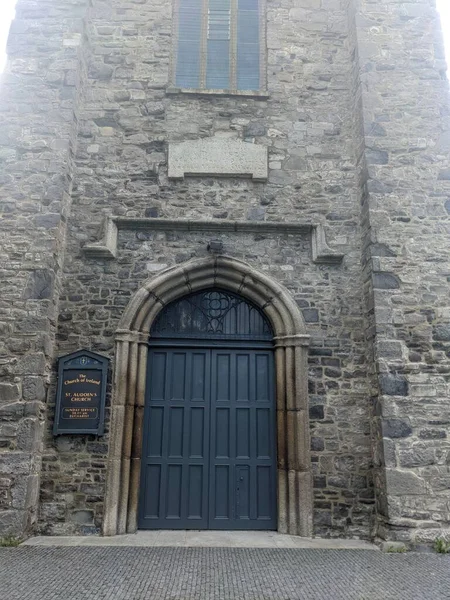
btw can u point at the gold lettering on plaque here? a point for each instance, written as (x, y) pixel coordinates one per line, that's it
(79, 412)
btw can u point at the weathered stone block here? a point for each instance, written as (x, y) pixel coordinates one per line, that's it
(31, 364)
(100, 71)
(377, 157)
(404, 483)
(9, 392)
(52, 511)
(317, 444)
(30, 435)
(385, 281)
(92, 489)
(396, 428)
(48, 220)
(311, 315)
(33, 389)
(39, 285)
(417, 456)
(393, 385)
(13, 522)
(316, 412)
(390, 350)
(255, 129)
(15, 463)
(432, 434)
(444, 175)
(442, 332)
(83, 517)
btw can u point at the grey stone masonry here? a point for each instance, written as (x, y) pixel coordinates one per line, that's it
(348, 212)
(38, 106)
(403, 152)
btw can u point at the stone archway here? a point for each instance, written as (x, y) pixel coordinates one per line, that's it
(127, 411)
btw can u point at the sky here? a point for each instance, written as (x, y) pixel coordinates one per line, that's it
(7, 14)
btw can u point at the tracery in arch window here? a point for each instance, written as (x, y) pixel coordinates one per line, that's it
(212, 313)
(219, 45)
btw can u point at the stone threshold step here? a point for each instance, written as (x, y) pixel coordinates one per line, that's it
(204, 539)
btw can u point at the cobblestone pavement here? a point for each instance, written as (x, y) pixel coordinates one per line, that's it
(99, 573)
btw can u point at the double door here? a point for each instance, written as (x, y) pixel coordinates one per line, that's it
(208, 457)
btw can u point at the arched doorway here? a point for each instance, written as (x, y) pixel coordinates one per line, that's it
(290, 340)
(209, 436)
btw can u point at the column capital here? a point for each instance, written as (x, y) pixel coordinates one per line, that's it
(283, 341)
(137, 337)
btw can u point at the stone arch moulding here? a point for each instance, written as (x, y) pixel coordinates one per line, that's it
(295, 506)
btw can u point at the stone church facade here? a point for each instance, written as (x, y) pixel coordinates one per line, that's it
(295, 164)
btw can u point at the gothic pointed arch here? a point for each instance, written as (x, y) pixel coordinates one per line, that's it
(290, 342)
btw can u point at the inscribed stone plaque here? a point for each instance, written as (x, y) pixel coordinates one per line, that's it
(221, 157)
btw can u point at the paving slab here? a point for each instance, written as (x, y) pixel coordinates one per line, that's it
(203, 539)
(137, 573)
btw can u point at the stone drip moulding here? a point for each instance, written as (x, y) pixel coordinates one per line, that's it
(107, 246)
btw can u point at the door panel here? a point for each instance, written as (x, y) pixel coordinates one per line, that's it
(209, 456)
(246, 415)
(175, 457)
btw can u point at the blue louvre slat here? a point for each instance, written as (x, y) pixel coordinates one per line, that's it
(248, 5)
(248, 67)
(248, 27)
(218, 64)
(189, 34)
(219, 4)
(197, 4)
(188, 65)
(190, 26)
(248, 45)
(219, 19)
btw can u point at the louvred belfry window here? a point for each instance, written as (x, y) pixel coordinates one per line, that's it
(219, 45)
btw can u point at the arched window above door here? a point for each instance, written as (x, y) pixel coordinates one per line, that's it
(210, 314)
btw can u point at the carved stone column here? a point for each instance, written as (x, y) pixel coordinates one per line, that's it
(294, 462)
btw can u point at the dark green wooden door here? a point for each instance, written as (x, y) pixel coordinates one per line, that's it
(208, 459)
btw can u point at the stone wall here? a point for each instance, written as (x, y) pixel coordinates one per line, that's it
(38, 105)
(349, 149)
(403, 145)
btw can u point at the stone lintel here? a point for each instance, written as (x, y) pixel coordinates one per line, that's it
(107, 246)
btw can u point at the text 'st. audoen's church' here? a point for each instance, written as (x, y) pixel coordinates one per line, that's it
(225, 265)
